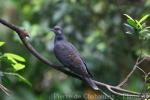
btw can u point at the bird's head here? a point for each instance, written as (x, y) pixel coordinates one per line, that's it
(57, 30)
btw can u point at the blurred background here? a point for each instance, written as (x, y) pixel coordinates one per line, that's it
(95, 27)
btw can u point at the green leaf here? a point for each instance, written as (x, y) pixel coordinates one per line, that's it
(148, 85)
(18, 66)
(144, 30)
(14, 56)
(21, 78)
(143, 18)
(128, 17)
(139, 25)
(12, 60)
(1, 43)
(132, 23)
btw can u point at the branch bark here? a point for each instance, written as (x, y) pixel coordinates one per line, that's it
(132, 71)
(23, 36)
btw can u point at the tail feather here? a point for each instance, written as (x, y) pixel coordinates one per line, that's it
(91, 83)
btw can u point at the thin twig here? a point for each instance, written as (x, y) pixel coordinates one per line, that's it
(131, 72)
(130, 95)
(5, 90)
(127, 77)
(141, 70)
(116, 88)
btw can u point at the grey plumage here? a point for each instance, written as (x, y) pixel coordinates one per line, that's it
(68, 55)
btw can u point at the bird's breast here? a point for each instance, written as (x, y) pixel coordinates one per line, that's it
(67, 55)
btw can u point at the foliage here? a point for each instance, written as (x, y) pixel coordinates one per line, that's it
(138, 27)
(2, 43)
(93, 26)
(14, 60)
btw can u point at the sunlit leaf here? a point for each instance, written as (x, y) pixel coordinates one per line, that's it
(128, 17)
(18, 66)
(140, 26)
(21, 78)
(1, 43)
(144, 30)
(14, 56)
(132, 23)
(147, 87)
(12, 60)
(143, 18)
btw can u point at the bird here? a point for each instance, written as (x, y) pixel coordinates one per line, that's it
(68, 56)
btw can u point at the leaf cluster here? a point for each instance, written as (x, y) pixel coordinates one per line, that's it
(138, 27)
(16, 63)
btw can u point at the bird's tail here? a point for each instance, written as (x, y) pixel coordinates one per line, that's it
(91, 83)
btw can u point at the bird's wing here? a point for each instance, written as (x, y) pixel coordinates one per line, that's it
(86, 67)
(81, 59)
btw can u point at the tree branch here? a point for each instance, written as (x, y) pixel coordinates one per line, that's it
(132, 71)
(5, 90)
(23, 36)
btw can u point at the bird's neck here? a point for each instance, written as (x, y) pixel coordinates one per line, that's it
(59, 38)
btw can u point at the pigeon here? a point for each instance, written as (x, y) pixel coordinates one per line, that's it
(68, 55)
